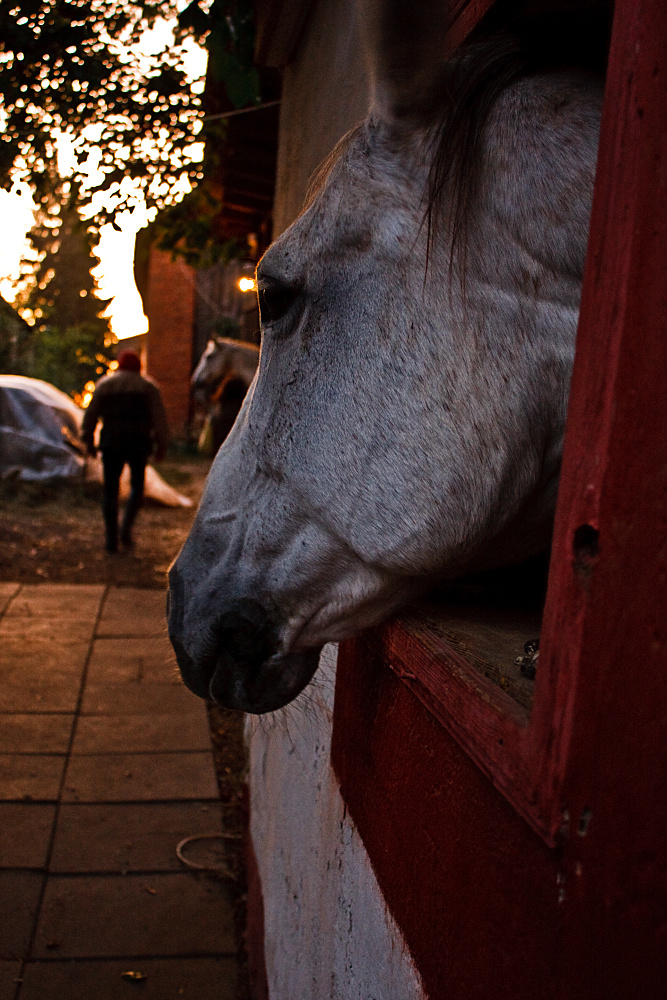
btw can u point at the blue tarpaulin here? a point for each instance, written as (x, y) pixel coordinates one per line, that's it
(40, 430)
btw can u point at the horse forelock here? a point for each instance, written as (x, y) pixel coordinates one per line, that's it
(448, 126)
(323, 171)
(455, 120)
(450, 122)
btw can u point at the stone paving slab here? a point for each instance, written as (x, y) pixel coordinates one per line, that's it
(22, 693)
(166, 979)
(19, 899)
(142, 733)
(135, 659)
(42, 656)
(140, 777)
(138, 699)
(49, 600)
(30, 776)
(131, 611)
(46, 629)
(7, 591)
(25, 833)
(35, 733)
(110, 916)
(9, 973)
(124, 838)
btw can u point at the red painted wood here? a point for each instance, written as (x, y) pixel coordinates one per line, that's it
(606, 618)
(470, 885)
(465, 16)
(485, 721)
(473, 889)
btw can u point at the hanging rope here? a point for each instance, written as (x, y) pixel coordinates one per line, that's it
(240, 111)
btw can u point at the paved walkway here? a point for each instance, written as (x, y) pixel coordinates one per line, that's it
(105, 765)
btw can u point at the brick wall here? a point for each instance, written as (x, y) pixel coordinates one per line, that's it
(171, 312)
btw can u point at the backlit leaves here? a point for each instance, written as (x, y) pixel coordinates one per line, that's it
(66, 66)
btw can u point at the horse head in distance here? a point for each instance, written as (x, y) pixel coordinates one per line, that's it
(418, 328)
(219, 384)
(222, 358)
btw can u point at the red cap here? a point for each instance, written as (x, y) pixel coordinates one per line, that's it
(129, 361)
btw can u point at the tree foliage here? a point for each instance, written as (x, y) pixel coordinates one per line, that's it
(68, 66)
(189, 229)
(62, 291)
(68, 359)
(15, 339)
(69, 339)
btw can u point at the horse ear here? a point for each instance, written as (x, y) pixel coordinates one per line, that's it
(406, 49)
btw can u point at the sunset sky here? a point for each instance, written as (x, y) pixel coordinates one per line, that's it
(114, 274)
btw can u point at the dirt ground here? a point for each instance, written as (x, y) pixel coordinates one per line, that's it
(54, 533)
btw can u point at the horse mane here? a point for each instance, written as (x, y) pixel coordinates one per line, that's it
(473, 81)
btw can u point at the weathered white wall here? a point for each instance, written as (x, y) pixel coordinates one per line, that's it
(328, 934)
(325, 92)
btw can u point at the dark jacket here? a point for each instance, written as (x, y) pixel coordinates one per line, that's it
(132, 414)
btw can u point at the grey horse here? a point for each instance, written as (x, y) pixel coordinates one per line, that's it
(220, 382)
(223, 357)
(418, 326)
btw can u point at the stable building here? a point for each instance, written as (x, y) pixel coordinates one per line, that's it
(434, 825)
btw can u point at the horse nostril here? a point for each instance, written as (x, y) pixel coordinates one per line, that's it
(275, 298)
(247, 633)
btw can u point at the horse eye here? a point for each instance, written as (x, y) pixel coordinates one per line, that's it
(275, 299)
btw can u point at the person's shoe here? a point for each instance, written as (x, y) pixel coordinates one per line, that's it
(111, 546)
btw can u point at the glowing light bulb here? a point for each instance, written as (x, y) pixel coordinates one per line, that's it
(247, 284)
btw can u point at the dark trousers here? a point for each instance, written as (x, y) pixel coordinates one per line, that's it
(113, 461)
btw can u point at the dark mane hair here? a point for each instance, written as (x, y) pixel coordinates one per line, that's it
(474, 79)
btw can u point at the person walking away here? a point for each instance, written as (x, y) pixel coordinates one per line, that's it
(134, 424)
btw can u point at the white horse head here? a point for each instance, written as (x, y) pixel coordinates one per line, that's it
(418, 328)
(224, 357)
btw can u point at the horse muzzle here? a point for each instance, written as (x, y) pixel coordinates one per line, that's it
(235, 659)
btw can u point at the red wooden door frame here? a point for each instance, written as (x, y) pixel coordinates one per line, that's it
(587, 769)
